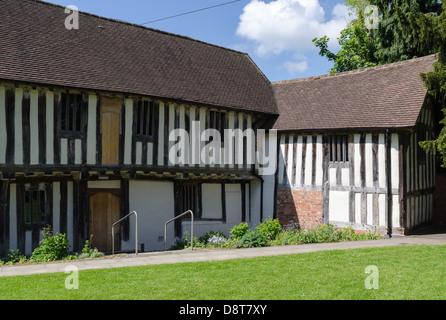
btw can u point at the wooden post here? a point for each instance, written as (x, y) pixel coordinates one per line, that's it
(389, 185)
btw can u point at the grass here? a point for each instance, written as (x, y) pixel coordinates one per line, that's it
(412, 272)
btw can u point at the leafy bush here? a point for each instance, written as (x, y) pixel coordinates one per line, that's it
(253, 239)
(270, 232)
(204, 239)
(88, 252)
(184, 243)
(291, 226)
(51, 247)
(15, 256)
(179, 244)
(238, 231)
(269, 228)
(323, 233)
(216, 240)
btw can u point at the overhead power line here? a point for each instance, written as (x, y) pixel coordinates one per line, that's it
(190, 12)
(127, 26)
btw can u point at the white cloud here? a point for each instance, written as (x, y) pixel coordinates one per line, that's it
(283, 25)
(295, 67)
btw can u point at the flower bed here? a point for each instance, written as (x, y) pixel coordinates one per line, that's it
(271, 233)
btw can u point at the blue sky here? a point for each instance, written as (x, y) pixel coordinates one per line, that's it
(276, 34)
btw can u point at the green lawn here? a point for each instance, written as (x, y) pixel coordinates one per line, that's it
(411, 272)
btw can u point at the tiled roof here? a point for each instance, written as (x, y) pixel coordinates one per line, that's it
(111, 55)
(388, 96)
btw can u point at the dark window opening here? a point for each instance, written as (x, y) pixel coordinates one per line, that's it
(217, 120)
(338, 148)
(189, 198)
(144, 119)
(421, 135)
(71, 113)
(35, 207)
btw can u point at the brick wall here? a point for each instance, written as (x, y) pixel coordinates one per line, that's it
(300, 206)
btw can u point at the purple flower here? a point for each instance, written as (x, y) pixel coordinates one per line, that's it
(216, 239)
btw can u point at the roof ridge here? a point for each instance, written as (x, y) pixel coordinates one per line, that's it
(117, 56)
(362, 70)
(131, 24)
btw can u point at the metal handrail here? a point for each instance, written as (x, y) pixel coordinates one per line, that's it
(136, 231)
(191, 228)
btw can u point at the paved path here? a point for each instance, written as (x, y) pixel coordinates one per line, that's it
(153, 258)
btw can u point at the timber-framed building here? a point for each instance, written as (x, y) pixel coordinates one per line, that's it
(355, 159)
(86, 122)
(85, 119)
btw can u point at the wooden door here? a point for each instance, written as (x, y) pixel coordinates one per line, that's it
(110, 129)
(104, 211)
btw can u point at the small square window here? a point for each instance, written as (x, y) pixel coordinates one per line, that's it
(338, 148)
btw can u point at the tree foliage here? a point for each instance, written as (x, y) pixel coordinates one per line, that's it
(406, 29)
(356, 48)
(435, 82)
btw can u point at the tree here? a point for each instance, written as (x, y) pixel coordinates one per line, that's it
(405, 30)
(435, 82)
(356, 48)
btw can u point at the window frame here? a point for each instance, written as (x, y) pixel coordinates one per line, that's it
(217, 121)
(39, 217)
(72, 118)
(420, 131)
(198, 207)
(186, 189)
(145, 122)
(338, 149)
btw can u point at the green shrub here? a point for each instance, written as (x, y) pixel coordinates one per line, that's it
(270, 232)
(213, 239)
(179, 244)
(184, 243)
(51, 247)
(269, 228)
(15, 256)
(238, 231)
(253, 239)
(204, 239)
(88, 252)
(216, 241)
(323, 233)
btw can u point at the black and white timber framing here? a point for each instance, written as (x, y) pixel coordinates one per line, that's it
(35, 154)
(356, 191)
